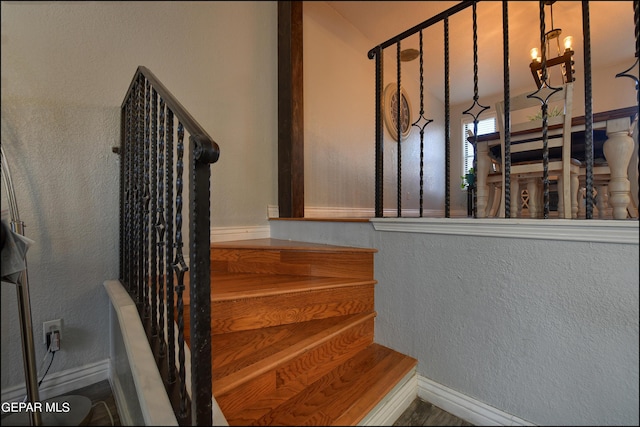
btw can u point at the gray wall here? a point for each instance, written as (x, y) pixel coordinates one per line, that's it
(66, 67)
(545, 330)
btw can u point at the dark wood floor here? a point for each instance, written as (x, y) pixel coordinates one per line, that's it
(419, 413)
(98, 393)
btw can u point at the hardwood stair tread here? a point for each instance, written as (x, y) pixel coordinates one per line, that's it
(243, 355)
(281, 244)
(231, 286)
(341, 397)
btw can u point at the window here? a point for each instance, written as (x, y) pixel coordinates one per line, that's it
(485, 126)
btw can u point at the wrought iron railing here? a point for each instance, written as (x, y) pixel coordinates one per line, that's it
(476, 109)
(156, 130)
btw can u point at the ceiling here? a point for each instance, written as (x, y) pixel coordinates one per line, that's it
(611, 23)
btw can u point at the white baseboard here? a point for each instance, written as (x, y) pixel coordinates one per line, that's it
(465, 407)
(62, 382)
(340, 212)
(395, 403)
(337, 212)
(224, 234)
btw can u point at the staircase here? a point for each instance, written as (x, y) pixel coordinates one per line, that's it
(292, 334)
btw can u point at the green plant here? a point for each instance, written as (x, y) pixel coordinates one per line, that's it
(555, 111)
(468, 179)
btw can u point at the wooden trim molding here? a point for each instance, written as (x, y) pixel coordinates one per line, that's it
(591, 230)
(290, 110)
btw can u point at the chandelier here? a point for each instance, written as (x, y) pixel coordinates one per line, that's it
(564, 57)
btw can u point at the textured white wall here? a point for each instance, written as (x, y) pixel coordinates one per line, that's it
(544, 330)
(338, 110)
(65, 69)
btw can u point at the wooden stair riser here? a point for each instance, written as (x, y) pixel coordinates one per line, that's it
(273, 310)
(292, 376)
(327, 264)
(238, 350)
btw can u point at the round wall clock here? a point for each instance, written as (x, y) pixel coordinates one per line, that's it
(390, 108)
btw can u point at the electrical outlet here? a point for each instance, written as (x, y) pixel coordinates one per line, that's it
(50, 326)
(53, 341)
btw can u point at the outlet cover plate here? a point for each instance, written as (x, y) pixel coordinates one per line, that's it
(51, 325)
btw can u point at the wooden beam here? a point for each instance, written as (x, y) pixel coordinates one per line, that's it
(290, 111)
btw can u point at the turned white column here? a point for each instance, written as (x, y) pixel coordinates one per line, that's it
(602, 200)
(574, 185)
(618, 149)
(482, 164)
(561, 196)
(533, 188)
(516, 202)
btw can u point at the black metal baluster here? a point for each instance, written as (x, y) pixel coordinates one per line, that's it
(161, 222)
(588, 112)
(422, 129)
(169, 287)
(399, 136)
(180, 268)
(507, 110)
(379, 184)
(421, 123)
(165, 290)
(543, 94)
(481, 108)
(447, 123)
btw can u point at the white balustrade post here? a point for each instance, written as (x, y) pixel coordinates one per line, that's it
(618, 149)
(482, 164)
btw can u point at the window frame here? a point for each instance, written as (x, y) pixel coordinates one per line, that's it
(467, 148)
